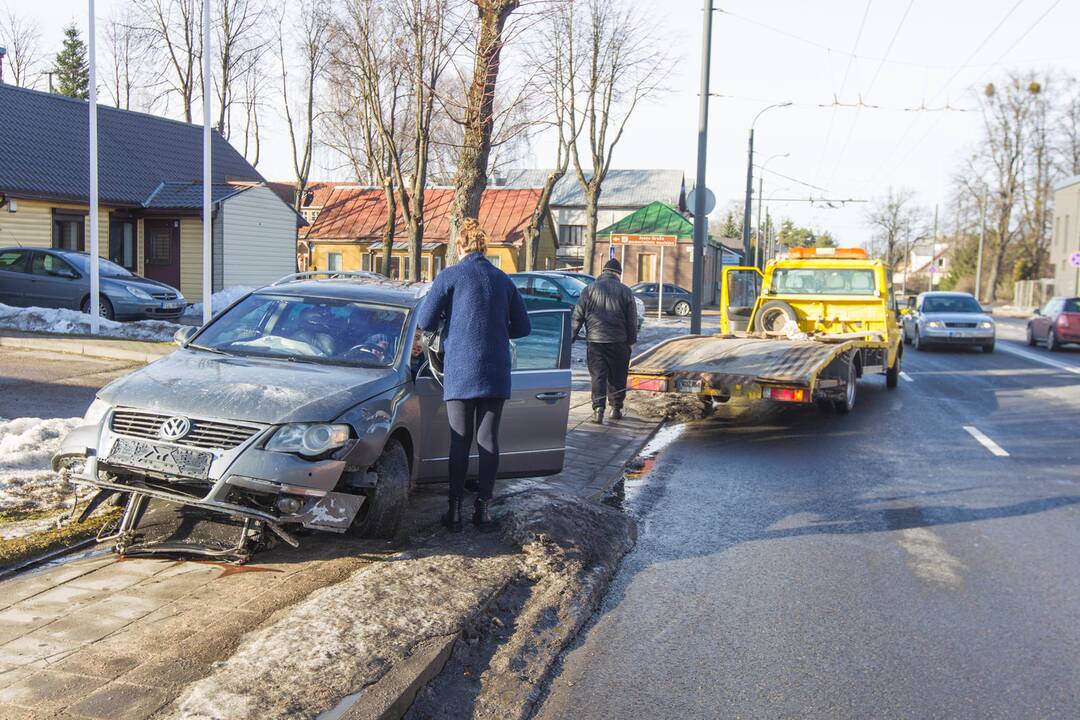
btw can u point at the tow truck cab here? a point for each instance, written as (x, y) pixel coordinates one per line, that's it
(816, 291)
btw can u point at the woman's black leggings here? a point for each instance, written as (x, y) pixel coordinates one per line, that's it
(483, 414)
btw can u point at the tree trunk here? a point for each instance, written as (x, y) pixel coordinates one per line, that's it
(391, 227)
(416, 235)
(471, 180)
(539, 217)
(592, 201)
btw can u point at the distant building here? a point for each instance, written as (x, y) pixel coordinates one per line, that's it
(348, 229)
(924, 267)
(1065, 240)
(150, 192)
(623, 192)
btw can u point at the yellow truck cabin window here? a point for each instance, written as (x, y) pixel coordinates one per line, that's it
(823, 281)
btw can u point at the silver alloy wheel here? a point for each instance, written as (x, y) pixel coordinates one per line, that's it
(682, 308)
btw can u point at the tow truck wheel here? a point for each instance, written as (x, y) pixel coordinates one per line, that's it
(847, 403)
(892, 374)
(384, 505)
(773, 316)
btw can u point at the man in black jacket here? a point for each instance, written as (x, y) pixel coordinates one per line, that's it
(607, 310)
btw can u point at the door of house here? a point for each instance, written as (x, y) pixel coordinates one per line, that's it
(646, 267)
(161, 251)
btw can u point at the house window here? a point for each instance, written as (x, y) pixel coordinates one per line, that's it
(571, 235)
(365, 262)
(68, 232)
(395, 267)
(333, 262)
(425, 268)
(122, 243)
(495, 260)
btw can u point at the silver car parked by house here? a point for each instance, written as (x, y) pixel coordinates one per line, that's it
(307, 403)
(948, 318)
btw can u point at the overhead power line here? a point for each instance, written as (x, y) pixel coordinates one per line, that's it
(860, 103)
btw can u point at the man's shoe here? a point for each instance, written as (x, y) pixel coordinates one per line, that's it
(616, 413)
(452, 519)
(598, 416)
(482, 517)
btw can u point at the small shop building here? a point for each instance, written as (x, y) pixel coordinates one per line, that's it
(347, 233)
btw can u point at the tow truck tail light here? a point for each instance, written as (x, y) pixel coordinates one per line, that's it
(784, 394)
(652, 384)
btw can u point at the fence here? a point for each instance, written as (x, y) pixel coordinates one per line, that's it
(1032, 293)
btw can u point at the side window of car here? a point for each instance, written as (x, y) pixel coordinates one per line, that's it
(645, 288)
(521, 282)
(542, 287)
(669, 288)
(46, 264)
(13, 261)
(1047, 308)
(542, 348)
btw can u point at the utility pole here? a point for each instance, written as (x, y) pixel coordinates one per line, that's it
(207, 214)
(759, 253)
(933, 250)
(700, 226)
(95, 277)
(3, 52)
(750, 180)
(982, 240)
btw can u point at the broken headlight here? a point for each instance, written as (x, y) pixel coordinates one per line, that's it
(95, 412)
(309, 439)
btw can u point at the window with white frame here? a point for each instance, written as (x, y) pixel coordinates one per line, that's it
(333, 261)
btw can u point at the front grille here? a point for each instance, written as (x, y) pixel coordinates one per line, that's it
(959, 325)
(205, 434)
(164, 296)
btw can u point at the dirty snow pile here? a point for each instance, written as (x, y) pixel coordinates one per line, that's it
(72, 322)
(218, 302)
(26, 449)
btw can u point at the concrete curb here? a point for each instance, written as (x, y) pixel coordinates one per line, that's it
(134, 350)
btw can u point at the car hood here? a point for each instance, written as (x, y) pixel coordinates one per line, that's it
(958, 317)
(203, 385)
(150, 286)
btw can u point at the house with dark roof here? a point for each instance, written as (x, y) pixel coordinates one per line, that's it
(623, 192)
(347, 233)
(150, 193)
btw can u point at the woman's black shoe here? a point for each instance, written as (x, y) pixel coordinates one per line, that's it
(482, 517)
(452, 518)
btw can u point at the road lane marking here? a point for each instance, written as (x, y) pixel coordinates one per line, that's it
(905, 376)
(928, 557)
(1035, 357)
(986, 442)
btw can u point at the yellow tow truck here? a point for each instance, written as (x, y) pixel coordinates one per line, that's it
(803, 331)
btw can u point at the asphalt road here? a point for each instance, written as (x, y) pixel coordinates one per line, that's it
(890, 564)
(52, 385)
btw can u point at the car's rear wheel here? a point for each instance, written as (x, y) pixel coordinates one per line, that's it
(892, 374)
(385, 504)
(1052, 343)
(105, 308)
(682, 308)
(846, 403)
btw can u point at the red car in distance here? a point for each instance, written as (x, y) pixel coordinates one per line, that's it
(1056, 323)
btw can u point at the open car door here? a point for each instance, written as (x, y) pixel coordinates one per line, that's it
(532, 436)
(740, 287)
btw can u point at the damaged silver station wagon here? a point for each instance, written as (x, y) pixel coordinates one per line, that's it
(312, 402)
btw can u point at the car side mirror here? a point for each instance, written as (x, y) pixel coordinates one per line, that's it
(988, 309)
(1038, 311)
(183, 336)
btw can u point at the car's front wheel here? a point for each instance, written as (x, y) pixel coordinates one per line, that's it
(105, 308)
(385, 504)
(682, 308)
(1030, 336)
(918, 342)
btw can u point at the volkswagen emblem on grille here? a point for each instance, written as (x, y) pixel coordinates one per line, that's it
(174, 428)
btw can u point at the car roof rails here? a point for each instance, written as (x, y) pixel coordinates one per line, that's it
(329, 275)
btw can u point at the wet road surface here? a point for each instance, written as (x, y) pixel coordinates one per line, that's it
(44, 384)
(918, 558)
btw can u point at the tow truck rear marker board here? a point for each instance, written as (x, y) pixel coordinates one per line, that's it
(986, 442)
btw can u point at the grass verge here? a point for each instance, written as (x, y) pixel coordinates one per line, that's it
(18, 550)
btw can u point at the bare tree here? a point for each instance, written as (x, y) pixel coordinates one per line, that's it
(22, 38)
(472, 168)
(1038, 178)
(173, 30)
(254, 89)
(127, 55)
(311, 26)
(894, 218)
(1069, 129)
(619, 71)
(240, 45)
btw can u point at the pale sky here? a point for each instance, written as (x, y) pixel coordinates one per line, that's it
(792, 50)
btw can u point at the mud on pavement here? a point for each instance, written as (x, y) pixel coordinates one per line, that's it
(534, 584)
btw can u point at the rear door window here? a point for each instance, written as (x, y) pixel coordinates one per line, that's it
(46, 264)
(13, 260)
(542, 349)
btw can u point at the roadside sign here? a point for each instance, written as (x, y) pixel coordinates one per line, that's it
(933, 270)
(1074, 259)
(644, 240)
(710, 201)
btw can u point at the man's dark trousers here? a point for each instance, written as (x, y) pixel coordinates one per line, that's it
(608, 365)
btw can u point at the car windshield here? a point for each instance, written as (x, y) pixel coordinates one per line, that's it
(573, 286)
(823, 281)
(312, 329)
(950, 304)
(1072, 305)
(106, 268)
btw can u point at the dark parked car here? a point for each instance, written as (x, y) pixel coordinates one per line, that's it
(676, 299)
(31, 277)
(559, 289)
(582, 276)
(1056, 323)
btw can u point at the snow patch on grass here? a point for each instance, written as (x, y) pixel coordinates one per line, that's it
(61, 321)
(218, 302)
(27, 445)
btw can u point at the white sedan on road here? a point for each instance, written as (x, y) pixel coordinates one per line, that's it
(949, 318)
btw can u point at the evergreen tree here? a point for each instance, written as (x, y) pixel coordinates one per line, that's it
(71, 66)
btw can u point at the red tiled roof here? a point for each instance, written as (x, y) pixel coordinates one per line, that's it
(358, 213)
(316, 193)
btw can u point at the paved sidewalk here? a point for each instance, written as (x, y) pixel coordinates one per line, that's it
(115, 348)
(108, 638)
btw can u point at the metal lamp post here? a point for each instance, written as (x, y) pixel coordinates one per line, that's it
(759, 254)
(700, 221)
(750, 180)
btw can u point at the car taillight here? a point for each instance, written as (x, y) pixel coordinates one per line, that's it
(1066, 320)
(653, 384)
(784, 394)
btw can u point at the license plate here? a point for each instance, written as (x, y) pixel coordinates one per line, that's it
(688, 386)
(161, 458)
(170, 306)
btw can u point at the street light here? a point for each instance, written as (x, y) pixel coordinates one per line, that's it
(750, 180)
(758, 253)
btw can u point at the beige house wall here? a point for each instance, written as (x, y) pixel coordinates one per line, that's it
(31, 225)
(1065, 238)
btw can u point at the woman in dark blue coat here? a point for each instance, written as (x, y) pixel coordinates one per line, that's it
(483, 311)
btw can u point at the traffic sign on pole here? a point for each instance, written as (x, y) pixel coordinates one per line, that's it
(1074, 259)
